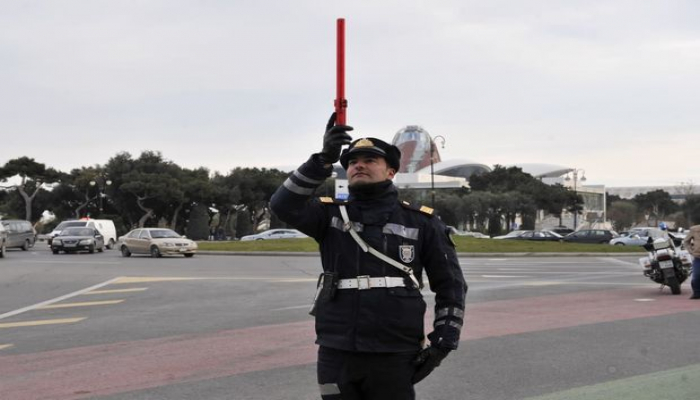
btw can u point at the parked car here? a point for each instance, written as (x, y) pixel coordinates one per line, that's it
(639, 236)
(74, 239)
(457, 232)
(156, 242)
(20, 233)
(3, 239)
(105, 226)
(591, 236)
(275, 234)
(509, 235)
(539, 236)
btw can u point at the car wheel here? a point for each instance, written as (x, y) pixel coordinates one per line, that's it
(110, 244)
(91, 249)
(125, 251)
(2, 250)
(155, 252)
(619, 244)
(54, 251)
(26, 245)
(189, 255)
(101, 249)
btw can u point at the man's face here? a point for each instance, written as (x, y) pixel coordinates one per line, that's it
(364, 169)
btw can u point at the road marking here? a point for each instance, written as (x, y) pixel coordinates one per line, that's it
(41, 322)
(57, 299)
(82, 304)
(72, 262)
(644, 300)
(505, 276)
(149, 279)
(5, 346)
(108, 291)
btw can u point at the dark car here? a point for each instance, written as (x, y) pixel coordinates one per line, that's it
(538, 236)
(591, 236)
(76, 239)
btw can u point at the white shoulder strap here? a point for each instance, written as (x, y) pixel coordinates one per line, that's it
(366, 248)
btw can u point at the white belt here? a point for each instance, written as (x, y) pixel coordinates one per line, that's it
(365, 282)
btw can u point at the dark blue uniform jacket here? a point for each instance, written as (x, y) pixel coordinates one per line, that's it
(379, 319)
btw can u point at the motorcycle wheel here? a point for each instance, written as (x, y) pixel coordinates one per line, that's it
(672, 282)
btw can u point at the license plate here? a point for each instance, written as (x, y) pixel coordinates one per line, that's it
(69, 245)
(183, 250)
(666, 264)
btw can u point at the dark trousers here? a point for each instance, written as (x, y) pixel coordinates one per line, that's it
(695, 278)
(349, 375)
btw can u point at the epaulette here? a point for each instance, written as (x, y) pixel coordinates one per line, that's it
(423, 209)
(330, 200)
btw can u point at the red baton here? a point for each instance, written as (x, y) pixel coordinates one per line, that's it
(341, 104)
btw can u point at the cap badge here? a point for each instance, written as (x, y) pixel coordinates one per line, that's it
(364, 143)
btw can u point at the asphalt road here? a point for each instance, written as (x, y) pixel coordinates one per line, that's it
(236, 327)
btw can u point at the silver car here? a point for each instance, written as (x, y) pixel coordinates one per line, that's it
(156, 242)
(639, 237)
(275, 234)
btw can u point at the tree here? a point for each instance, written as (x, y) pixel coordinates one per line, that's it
(254, 187)
(145, 188)
(33, 177)
(655, 204)
(623, 214)
(691, 209)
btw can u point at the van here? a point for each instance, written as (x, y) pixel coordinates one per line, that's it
(20, 233)
(104, 226)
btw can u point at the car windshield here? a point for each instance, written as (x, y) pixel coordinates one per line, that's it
(67, 224)
(163, 234)
(77, 232)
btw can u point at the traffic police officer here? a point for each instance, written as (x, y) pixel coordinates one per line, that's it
(368, 306)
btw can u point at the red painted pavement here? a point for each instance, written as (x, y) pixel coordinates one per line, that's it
(106, 369)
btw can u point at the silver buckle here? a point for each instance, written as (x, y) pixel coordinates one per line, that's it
(363, 282)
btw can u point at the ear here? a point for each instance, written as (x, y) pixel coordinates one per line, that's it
(391, 172)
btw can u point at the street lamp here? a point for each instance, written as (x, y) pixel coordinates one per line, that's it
(432, 173)
(101, 182)
(575, 173)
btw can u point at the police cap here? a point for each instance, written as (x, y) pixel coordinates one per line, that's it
(391, 153)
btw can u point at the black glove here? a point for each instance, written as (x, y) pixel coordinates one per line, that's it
(427, 360)
(335, 138)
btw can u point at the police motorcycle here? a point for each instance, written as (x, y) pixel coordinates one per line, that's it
(665, 264)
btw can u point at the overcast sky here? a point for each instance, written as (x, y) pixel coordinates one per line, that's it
(608, 86)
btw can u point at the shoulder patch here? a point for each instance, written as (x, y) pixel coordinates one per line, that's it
(422, 209)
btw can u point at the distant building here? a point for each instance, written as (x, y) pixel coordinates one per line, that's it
(416, 172)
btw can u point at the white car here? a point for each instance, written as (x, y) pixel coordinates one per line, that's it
(275, 234)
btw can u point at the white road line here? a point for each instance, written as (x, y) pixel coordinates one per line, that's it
(57, 299)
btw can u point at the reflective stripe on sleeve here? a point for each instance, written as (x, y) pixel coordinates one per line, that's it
(293, 187)
(454, 311)
(306, 179)
(328, 389)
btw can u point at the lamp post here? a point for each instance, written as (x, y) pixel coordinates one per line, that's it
(575, 173)
(101, 182)
(432, 173)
